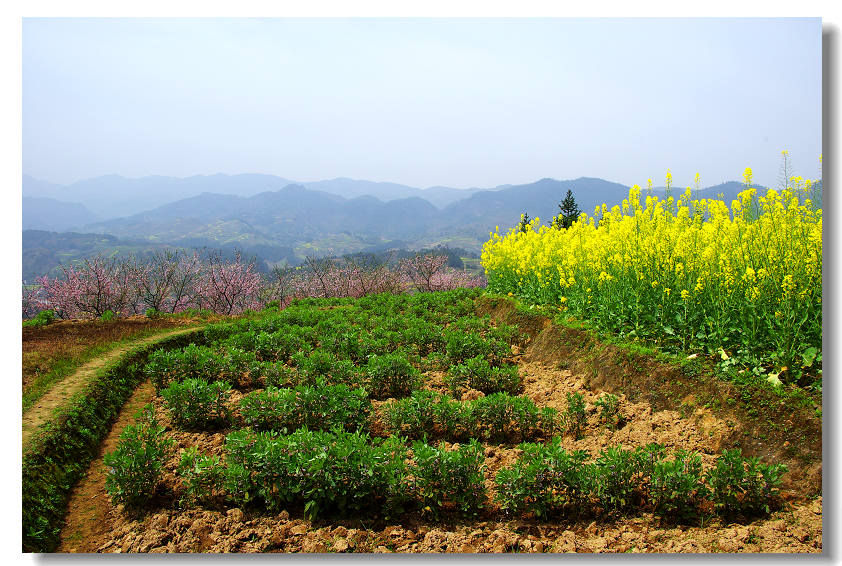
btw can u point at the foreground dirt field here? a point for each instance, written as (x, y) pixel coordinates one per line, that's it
(798, 530)
(95, 526)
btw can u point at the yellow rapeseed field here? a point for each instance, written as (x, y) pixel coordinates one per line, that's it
(744, 279)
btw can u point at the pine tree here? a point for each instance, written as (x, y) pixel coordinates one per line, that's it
(568, 212)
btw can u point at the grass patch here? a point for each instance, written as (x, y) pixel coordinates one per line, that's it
(63, 366)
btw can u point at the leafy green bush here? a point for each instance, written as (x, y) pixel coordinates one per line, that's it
(609, 410)
(197, 404)
(646, 457)
(744, 485)
(500, 417)
(574, 418)
(320, 365)
(378, 344)
(477, 373)
(461, 346)
(43, 318)
(191, 362)
(276, 346)
(202, 476)
(391, 323)
(676, 487)
(270, 409)
(456, 304)
(317, 408)
(215, 333)
(508, 333)
(134, 467)
(296, 314)
(477, 324)
(495, 418)
(244, 340)
(545, 479)
(282, 344)
(152, 313)
(274, 374)
(453, 420)
(391, 375)
(425, 336)
(448, 478)
(240, 367)
(435, 361)
(342, 472)
(329, 324)
(107, 316)
(412, 416)
(616, 479)
(344, 344)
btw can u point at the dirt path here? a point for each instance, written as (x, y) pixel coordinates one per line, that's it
(62, 392)
(89, 507)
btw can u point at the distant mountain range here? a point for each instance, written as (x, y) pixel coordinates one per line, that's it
(280, 221)
(113, 196)
(40, 213)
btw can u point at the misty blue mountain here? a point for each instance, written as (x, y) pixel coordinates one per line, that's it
(283, 222)
(41, 213)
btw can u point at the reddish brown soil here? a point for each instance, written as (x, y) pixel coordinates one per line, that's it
(198, 530)
(95, 526)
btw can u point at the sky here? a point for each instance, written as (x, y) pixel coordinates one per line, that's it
(475, 102)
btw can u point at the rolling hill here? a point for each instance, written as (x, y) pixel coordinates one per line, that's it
(286, 224)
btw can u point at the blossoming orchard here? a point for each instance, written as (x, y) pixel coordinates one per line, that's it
(175, 281)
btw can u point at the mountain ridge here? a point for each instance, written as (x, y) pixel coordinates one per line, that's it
(115, 196)
(288, 223)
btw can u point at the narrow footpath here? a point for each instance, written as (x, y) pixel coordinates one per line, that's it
(61, 393)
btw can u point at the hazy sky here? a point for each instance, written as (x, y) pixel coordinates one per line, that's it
(457, 102)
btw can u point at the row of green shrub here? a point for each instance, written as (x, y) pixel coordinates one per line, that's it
(336, 472)
(498, 417)
(55, 460)
(233, 365)
(199, 405)
(383, 376)
(356, 345)
(317, 408)
(232, 360)
(478, 373)
(548, 480)
(348, 473)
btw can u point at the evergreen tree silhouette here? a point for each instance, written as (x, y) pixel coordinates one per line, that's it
(568, 212)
